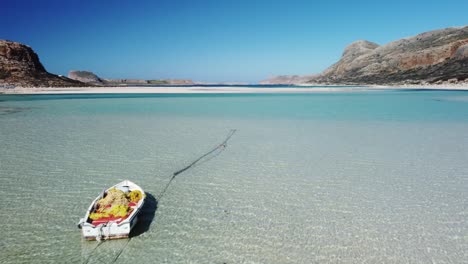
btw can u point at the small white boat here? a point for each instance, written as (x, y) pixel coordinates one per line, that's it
(114, 212)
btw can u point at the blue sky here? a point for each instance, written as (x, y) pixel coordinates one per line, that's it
(211, 40)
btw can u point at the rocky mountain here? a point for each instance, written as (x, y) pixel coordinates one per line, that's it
(20, 66)
(431, 57)
(86, 77)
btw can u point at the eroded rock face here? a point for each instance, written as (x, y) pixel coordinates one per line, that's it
(16, 58)
(428, 57)
(20, 66)
(85, 76)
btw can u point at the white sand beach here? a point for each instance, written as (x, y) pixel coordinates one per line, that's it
(218, 90)
(162, 90)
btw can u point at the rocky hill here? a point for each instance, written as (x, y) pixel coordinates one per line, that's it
(20, 66)
(91, 78)
(86, 77)
(431, 57)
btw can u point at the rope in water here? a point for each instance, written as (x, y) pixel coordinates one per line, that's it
(121, 251)
(221, 147)
(92, 252)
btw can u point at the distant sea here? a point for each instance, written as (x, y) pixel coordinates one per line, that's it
(342, 177)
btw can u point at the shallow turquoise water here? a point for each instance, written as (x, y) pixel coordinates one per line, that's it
(378, 177)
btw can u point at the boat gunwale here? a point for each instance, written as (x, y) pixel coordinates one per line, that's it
(132, 215)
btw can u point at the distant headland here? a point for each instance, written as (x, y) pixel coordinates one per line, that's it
(91, 78)
(434, 57)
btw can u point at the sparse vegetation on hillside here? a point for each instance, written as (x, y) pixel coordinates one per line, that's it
(158, 82)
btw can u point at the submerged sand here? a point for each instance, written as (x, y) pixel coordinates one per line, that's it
(378, 177)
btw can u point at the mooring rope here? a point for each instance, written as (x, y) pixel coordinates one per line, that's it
(221, 147)
(92, 251)
(121, 251)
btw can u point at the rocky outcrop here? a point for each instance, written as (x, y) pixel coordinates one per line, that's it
(20, 66)
(287, 79)
(429, 57)
(91, 78)
(85, 76)
(439, 56)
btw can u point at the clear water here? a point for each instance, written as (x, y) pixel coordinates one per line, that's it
(375, 177)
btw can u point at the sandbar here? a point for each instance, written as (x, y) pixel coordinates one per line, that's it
(220, 89)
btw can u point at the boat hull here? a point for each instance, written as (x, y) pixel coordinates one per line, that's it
(108, 231)
(117, 228)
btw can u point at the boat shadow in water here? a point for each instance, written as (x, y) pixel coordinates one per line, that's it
(146, 216)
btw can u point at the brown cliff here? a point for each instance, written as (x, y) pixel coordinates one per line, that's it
(20, 66)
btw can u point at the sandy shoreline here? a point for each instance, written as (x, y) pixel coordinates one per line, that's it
(219, 90)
